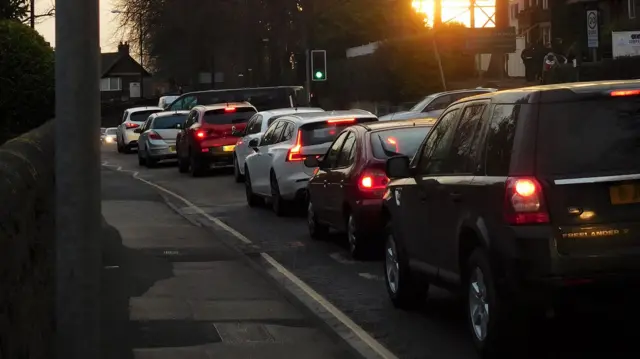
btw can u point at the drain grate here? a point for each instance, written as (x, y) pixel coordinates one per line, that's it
(191, 254)
(173, 333)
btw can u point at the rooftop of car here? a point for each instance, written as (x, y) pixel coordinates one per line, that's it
(241, 89)
(384, 125)
(170, 113)
(477, 89)
(330, 115)
(289, 110)
(219, 106)
(144, 108)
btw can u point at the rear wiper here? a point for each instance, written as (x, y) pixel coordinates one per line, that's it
(238, 120)
(385, 150)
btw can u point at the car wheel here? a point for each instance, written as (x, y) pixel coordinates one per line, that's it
(150, 161)
(357, 247)
(485, 313)
(195, 167)
(141, 161)
(119, 145)
(317, 230)
(183, 166)
(405, 290)
(279, 204)
(236, 170)
(252, 199)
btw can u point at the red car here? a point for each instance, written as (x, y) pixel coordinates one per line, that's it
(209, 135)
(345, 193)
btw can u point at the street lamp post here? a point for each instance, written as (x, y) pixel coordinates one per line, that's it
(140, 45)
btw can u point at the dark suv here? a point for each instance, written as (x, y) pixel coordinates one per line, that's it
(515, 196)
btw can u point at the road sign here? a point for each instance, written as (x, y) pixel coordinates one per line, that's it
(491, 40)
(592, 29)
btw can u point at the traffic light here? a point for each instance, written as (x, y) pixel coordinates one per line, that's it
(318, 65)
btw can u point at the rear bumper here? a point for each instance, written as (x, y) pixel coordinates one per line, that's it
(130, 138)
(215, 157)
(368, 216)
(162, 152)
(294, 186)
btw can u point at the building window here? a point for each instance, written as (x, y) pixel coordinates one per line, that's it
(546, 34)
(111, 84)
(631, 6)
(545, 4)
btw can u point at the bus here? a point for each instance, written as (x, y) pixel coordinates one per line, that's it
(262, 98)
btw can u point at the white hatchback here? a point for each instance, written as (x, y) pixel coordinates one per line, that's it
(258, 125)
(126, 137)
(275, 170)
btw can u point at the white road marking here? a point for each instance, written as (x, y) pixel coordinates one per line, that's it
(355, 328)
(371, 342)
(340, 258)
(371, 276)
(111, 267)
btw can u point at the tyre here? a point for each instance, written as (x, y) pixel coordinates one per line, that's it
(150, 161)
(317, 230)
(405, 290)
(485, 311)
(196, 167)
(183, 166)
(280, 205)
(141, 161)
(238, 177)
(358, 247)
(119, 146)
(252, 199)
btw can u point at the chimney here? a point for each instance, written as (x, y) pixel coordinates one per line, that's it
(123, 48)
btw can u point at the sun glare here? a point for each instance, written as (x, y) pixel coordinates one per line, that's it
(458, 11)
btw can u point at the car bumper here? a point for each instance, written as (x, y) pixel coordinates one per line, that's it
(294, 187)
(215, 157)
(130, 138)
(162, 152)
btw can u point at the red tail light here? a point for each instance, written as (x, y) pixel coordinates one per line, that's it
(343, 120)
(294, 152)
(154, 136)
(625, 93)
(524, 202)
(130, 125)
(372, 179)
(200, 134)
(229, 109)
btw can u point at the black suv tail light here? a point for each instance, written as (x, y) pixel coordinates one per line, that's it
(524, 202)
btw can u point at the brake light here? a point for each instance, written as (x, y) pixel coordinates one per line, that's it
(524, 202)
(154, 136)
(201, 134)
(130, 125)
(229, 109)
(343, 120)
(618, 93)
(294, 152)
(372, 179)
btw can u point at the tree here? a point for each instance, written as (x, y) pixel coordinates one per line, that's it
(13, 9)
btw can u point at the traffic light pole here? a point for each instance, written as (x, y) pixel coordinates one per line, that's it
(308, 72)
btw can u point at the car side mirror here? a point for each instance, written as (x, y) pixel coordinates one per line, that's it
(137, 130)
(254, 144)
(398, 167)
(312, 162)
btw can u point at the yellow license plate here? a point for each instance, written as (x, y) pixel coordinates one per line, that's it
(625, 194)
(228, 148)
(172, 148)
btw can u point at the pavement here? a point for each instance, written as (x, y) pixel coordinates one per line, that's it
(171, 289)
(354, 288)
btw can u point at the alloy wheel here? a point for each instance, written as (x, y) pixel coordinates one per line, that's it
(392, 266)
(478, 304)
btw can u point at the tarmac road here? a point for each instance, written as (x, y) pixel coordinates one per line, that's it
(357, 288)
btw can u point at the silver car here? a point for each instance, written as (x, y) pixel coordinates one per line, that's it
(109, 136)
(158, 134)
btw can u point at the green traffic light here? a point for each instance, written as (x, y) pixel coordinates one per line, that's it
(319, 74)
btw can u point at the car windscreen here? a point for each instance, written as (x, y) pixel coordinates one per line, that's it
(263, 100)
(226, 117)
(397, 141)
(589, 138)
(111, 131)
(422, 104)
(141, 116)
(323, 132)
(168, 122)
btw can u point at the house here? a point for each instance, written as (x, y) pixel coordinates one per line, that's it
(118, 72)
(532, 19)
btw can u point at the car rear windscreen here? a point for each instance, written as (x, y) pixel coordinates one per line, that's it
(226, 117)
(398, 141)
(168, 122)
(111, 131)
(142, 116)
(589, 138)
(323, 132)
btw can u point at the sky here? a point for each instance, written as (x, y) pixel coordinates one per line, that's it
(458, 11)
(108, 24)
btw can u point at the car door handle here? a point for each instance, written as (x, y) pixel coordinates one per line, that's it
(455, 196)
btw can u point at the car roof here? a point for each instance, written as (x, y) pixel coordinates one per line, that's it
(218, 106)
(312, 117)
(477, 89)
(385, 125)
(169, 113)
(145, 108)
(289, 110)
(241, 89)
(555, 93)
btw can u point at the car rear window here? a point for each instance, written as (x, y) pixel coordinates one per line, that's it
(226, 117)
(587, 138)
(168, 122)
(141, 116)
(323, 132)
(398, 141)
(111, 131)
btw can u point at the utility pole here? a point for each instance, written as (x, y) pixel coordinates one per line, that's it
(141, 58)
(78, 219)
(32, 16)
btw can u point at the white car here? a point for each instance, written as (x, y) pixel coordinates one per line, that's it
(258, 125)
(275, 170)
(109, 136)
(126, 137)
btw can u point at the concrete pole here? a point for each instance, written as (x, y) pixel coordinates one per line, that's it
(78, 218)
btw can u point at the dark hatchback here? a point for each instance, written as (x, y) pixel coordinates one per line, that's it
(345, 192)
(516, 197)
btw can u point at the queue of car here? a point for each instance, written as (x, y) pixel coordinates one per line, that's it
(508, 197)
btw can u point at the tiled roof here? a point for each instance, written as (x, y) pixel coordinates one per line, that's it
(107, 60)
